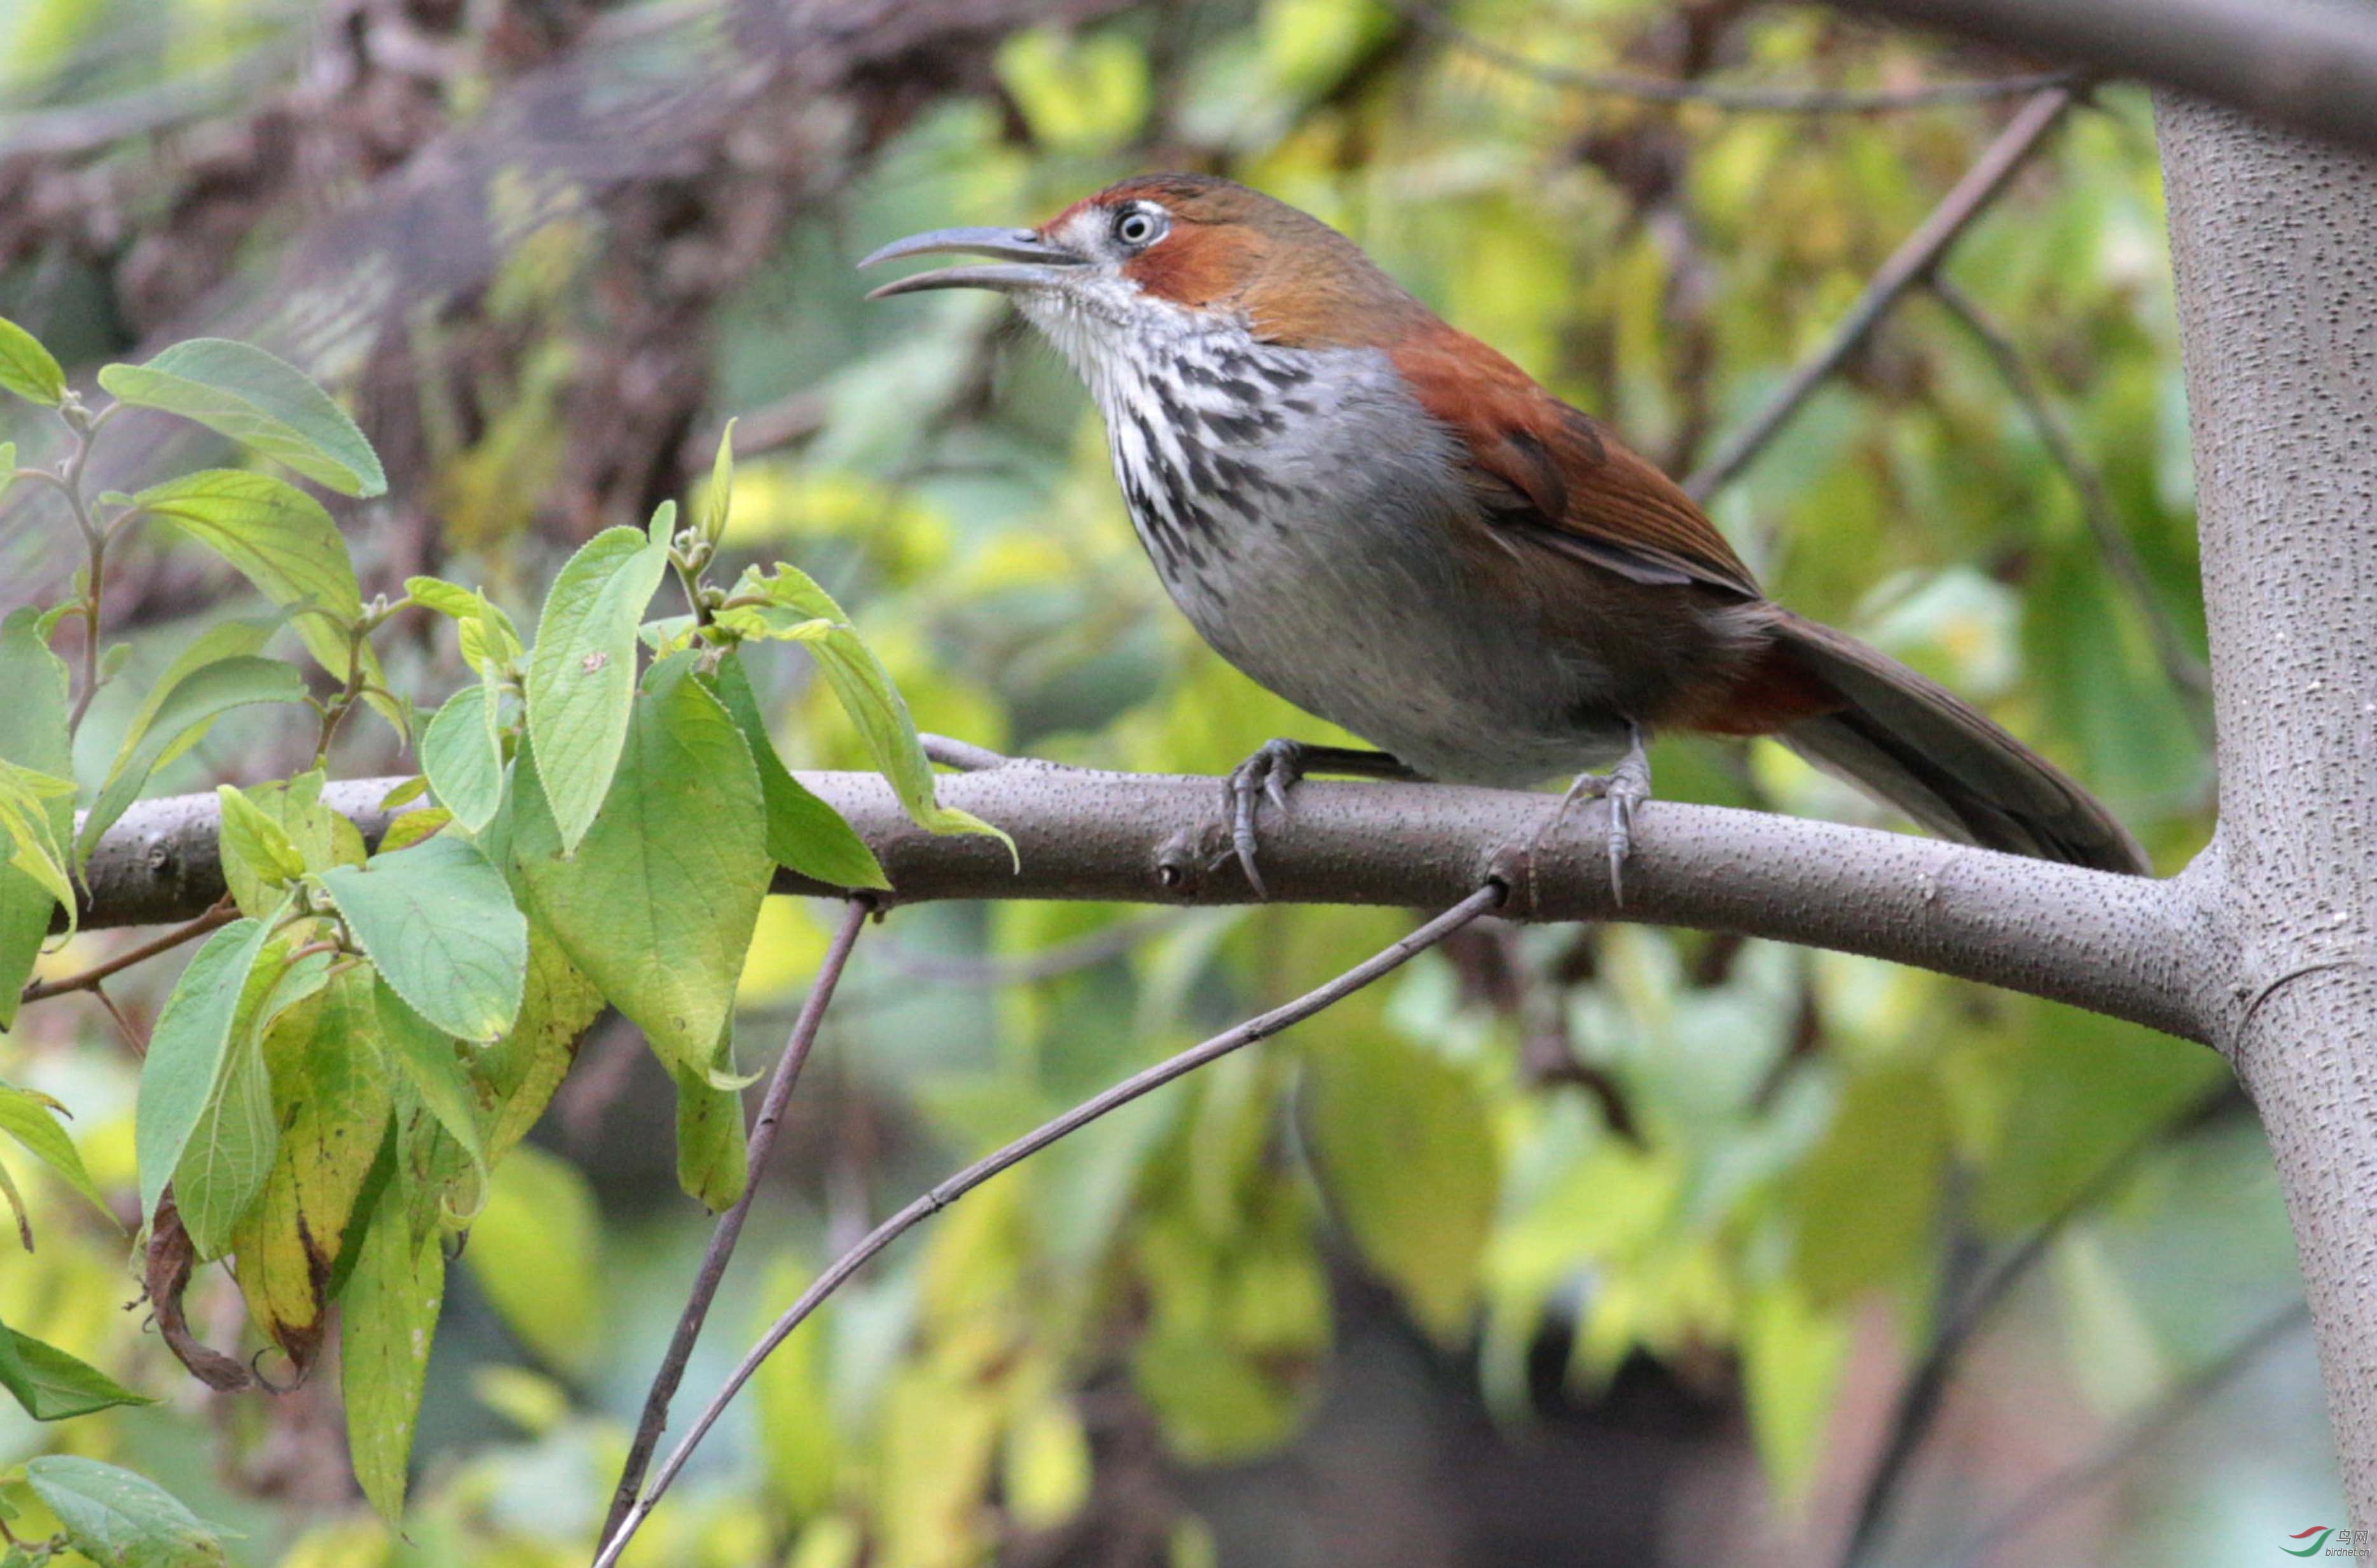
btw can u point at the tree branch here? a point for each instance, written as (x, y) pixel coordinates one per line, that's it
(2310, 65)
(1738, 98)
(1914, 261)
(2121, 945)
(1378, 966)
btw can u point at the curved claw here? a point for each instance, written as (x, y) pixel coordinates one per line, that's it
(1273, 769)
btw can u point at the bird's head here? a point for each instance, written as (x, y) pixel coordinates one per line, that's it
(1159, 244)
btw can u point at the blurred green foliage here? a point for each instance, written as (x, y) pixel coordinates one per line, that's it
(1617, 1142)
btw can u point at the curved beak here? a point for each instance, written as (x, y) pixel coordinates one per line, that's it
(1026, 261)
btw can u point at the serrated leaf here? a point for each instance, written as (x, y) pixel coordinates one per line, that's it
(190, 1048)
(28, 369)
(793, 608)
(461, 758)
(804, 834)
(658, 904)
(33, 734)
(439, 922)
(231, 1147)
(662, 526)
(712, 1156)
(31, 1119)
(330, 1097)
(390, 1317)
(429, 1060)
(259, 860)
(581, 674)
(53, 1385)
(261, 401)
(280, 539)
(199, 697)
(121, 1520)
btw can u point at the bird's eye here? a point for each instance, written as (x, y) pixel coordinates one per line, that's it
(1135, 228)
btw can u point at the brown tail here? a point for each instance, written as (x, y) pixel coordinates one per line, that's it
(1932, 755)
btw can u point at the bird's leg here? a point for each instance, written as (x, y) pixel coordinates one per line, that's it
(1274, 769)
(1625, 787)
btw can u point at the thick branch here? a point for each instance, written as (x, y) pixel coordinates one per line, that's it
(2274, 242)
(2308, 64)
(2116, 944)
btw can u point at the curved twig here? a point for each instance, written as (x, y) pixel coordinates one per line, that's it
(729, 1228)
(1915, 261)
(1379, 965)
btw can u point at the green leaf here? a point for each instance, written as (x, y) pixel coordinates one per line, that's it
(712, 1156)
(439, 923)
(280, 539)
(537, 1251)
(464, 763)
(431, 1062)
(804, 834)
(719, 498)
(486, 632)
(190, 1048)
(797, 610)
(31, 1119)
(1868, 1197)
(259, 400)
(28, 833)
(121, 1520)
(330, 1097)
(389, 1315)
(663, 527)
(27, 368)
(53, 1385)
(581, 674)
(7, 466)
(199, 697)
(1405, 1148)
(258, 860)
(224, 639)
(230, 1153)
(33, 735)
(1793, 1355)
(658, 905)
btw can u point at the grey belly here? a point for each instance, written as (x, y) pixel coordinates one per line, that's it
(1362, 621)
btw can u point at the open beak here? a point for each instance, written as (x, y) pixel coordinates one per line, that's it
(1025, 261)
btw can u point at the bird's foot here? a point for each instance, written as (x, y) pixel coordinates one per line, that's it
(1626, 788)
(1272, 770)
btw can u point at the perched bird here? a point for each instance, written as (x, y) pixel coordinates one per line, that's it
(1395, 528)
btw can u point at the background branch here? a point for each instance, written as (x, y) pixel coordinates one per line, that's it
(2121, 945)
(1914, 261)
(1738, 98)
(2310, 65)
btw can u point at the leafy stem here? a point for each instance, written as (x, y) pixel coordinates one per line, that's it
(67, 480)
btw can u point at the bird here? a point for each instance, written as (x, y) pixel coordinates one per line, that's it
(1394, 527)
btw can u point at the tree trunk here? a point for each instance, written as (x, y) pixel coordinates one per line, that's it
(2273, 243)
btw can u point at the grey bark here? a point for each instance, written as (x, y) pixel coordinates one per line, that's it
(2097, 940)
(2274, 246)
(2308, 64)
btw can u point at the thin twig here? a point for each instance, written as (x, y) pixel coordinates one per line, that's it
(2069, 1485)
(1379, 965)
(1921, 1398)
(962, 755)
(222, 913)
(1048, 963)
(2181, 666)
(729, 1228)
(1915, 261)
(1723, 95)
